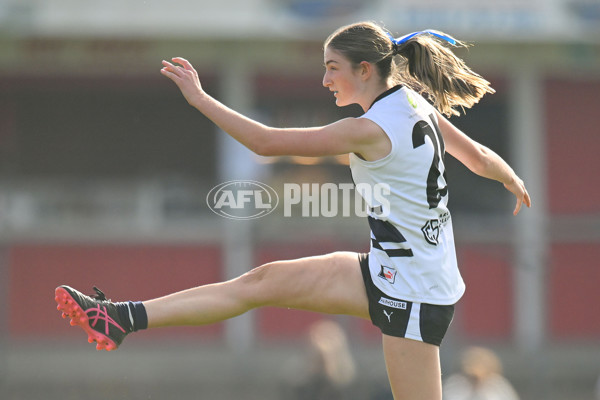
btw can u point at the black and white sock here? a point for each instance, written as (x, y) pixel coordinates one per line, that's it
(133, 314)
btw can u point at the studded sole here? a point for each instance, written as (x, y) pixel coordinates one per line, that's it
(71, 309)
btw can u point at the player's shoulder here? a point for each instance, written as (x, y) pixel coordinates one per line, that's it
(402, 103)
(417, 103)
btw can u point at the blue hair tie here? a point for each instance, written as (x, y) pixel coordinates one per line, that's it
(406, 38)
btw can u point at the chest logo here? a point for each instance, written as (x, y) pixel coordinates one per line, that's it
(411, 101)
(431, 229)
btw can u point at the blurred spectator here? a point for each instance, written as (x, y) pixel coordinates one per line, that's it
(480, 378)
(329, 369)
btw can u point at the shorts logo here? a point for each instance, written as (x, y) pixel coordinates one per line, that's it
(389, 316)
(401, 305)
(387, 273)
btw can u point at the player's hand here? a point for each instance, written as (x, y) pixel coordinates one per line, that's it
(185, 77)
(517, 187)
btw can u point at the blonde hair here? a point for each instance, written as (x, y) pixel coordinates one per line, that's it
(423, 63)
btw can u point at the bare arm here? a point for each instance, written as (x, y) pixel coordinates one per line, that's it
(483, 161)
(341, 137)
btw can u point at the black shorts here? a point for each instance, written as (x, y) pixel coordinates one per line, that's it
(395, 317)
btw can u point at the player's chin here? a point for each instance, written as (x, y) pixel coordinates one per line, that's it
(340, 103)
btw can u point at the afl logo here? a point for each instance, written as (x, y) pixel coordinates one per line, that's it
(242, 199)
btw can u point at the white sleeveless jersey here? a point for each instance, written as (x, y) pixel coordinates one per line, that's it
(412, 255)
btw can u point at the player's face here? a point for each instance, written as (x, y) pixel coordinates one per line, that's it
(340, 77)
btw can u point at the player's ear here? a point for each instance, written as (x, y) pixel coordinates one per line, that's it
(365, 70)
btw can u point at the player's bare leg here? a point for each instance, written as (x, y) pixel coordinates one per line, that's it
(413, 369)
(330, 283)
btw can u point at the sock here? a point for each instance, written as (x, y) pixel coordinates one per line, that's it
(133, 314)
(137, 314)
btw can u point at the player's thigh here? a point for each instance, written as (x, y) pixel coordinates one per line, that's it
(330, 283)
(413, 368)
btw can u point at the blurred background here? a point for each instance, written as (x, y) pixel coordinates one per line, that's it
(105, 169)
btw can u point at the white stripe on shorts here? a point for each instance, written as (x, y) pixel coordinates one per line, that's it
(413, 329)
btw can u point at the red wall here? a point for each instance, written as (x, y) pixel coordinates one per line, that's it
(573, 291)
(573, 140)
(486, 309)
(123, 272)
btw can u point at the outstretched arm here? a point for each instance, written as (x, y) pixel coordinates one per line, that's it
(483, 161)
(341, 137)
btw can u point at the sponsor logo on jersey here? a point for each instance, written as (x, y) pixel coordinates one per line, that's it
(242, 199)
(387, 273)
(401, 305)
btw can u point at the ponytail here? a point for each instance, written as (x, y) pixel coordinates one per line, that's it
(429, 67)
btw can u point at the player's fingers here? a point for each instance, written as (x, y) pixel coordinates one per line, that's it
(185, 63)
(167, 73)
(176, 79)
(167, 64)
(170, 67)
(518, 206)
(527, 199)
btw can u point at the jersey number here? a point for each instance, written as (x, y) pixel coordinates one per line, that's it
(423, 129)
(388, 238)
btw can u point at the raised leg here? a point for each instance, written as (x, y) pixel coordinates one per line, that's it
(330, 283)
